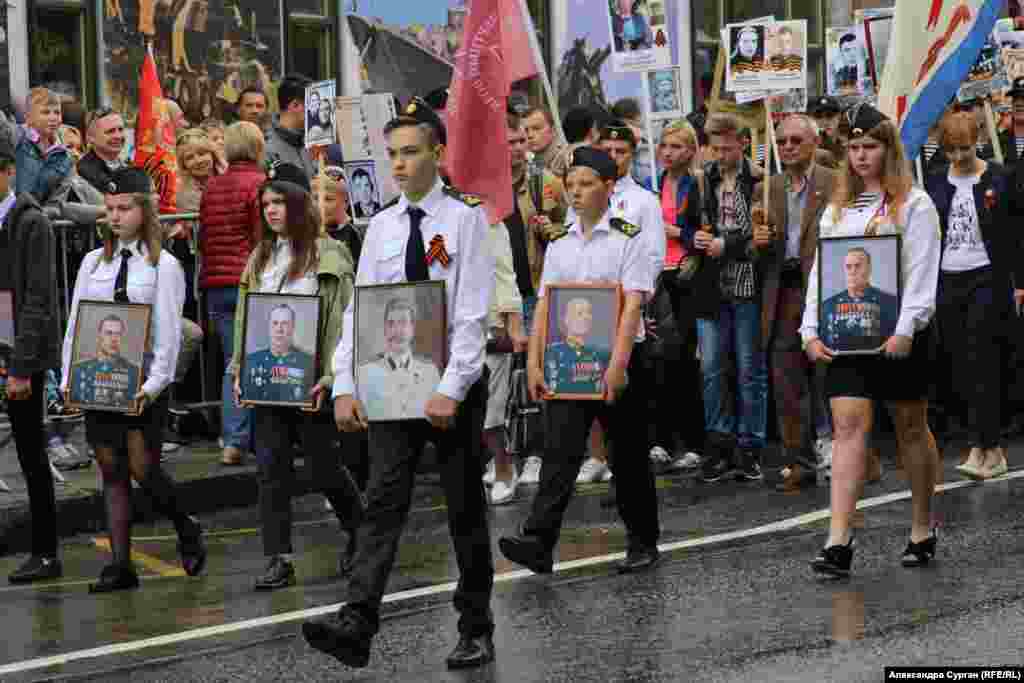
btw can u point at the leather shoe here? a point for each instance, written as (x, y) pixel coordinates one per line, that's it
(278, 574)
(192, 550)
(37, 568)
(528, 551)
(346, 636)
(115, 578)
(471, 652)
(347, 556)
(638, 559)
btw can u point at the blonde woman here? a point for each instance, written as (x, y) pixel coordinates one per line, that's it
(876, 195)
(197, 163)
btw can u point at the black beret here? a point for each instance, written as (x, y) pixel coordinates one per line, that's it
(280, 172)
(1018, 87)
(864, 118)
(595, 159)
(419, 111)
(618, 130)
(826, 104)
(437, 99)
(129, 180)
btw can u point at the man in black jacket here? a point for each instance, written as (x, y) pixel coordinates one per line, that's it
(106, 134)
(28, 258)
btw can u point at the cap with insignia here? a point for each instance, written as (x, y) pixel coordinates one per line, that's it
(1018, 88)
(282, 172)
(824, 105)
(129, 180)
(418, 110)
(863, 119)
(595, 159)
(618, 130)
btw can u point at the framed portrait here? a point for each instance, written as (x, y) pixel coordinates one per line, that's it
(108, 356)
(579, 336)
(663, 93)
(877, 30)
(746, 57)
(320, 114)
(639, 36)
(279, 350)
(846, 57)
(401, 348)
(363, 190)
(6, 340)
(859, 292)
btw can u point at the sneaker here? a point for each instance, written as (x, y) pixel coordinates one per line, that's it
(687, 461)
(714, 469)
(169, 447)
(607, 476)
(660, 457)
(65, 457)
(503, 492)
(823, 449)
(531, 471)
(750, 467)
(593, 471)
(37, 568)
(327, 506)
(489, 474)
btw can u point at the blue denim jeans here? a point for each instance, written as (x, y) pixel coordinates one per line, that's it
(236, 423)
(737, 331)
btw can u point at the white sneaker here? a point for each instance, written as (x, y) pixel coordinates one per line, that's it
(659, 457)
(531, 471)
(169, 447)
(503, 492)
(593, 471)
(607, 476)
(823, 448)
(489, 473)
(687, 461)
(328, 506)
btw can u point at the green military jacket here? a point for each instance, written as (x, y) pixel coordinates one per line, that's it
(336, 278)
(572, 369)
(112, 382)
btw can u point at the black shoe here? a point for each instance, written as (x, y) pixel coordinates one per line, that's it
(920, 554)
(278, 574)
(471, 652)
(834, 560)
(346, 636)
(638, 559)
(714, 469)
(37, 568)
(528, 551)
(750, 467)
(348, 555)
(115, 578)
(193, 551)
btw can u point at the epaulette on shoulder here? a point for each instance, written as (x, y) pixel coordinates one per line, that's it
(467, 199)
(625, 227)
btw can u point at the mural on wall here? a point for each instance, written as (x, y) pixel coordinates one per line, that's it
(407, 48)
(207, 51)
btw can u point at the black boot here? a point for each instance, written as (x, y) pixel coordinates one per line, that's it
(115, 578)
(346, 636)
(192, 549)
(471, 651)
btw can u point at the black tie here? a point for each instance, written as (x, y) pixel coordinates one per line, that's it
(415, 254)
(121, 283)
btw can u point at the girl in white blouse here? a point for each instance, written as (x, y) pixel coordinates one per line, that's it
(132, 267)
(875, 195)
(293, 258)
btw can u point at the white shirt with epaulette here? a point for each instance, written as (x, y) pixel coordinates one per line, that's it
(469, 279)
(610, 255)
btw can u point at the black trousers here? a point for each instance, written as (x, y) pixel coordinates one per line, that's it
(326, 454)
(27, 427)
(395, 450)
(972, 313)
(568, 423)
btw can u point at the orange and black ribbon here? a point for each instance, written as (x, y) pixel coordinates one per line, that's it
(438, 252)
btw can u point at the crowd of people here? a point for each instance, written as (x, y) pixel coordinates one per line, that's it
(717, 263)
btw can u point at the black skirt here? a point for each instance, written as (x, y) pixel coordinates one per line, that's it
(883, 379)
(108, 429)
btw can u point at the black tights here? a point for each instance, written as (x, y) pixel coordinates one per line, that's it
(143, 465)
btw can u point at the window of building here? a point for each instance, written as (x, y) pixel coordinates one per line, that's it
(311, 44)
(63, 48)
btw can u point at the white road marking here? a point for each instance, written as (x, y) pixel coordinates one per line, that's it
(401, 596)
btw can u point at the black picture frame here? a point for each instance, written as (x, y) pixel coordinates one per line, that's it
(852, 324)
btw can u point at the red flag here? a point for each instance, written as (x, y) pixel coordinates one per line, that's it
(515, 28)
(478, 155)
(154, 136)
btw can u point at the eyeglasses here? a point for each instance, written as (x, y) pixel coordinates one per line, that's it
(795, 141)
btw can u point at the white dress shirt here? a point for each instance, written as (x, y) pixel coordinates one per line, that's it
(609, 256)
(506, 292)
(163, 287)
(634, 204)
(469, 282)
(918, 222)
(274, 278)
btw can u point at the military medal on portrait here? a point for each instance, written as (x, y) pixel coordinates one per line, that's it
(109, 356)
(579, 336)
(280, 338)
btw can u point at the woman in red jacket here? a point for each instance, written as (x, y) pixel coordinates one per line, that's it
(230, 227)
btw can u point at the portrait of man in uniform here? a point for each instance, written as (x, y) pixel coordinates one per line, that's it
(789, 55)
(396, 383)
(282, 372)
(846, 66)
(747, 54)
(106, 380)
(862, 315)
(579, 340)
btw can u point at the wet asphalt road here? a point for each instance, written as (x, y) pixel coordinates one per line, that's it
(745, 609)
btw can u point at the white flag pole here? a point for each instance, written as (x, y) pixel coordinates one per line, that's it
(538, 59)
